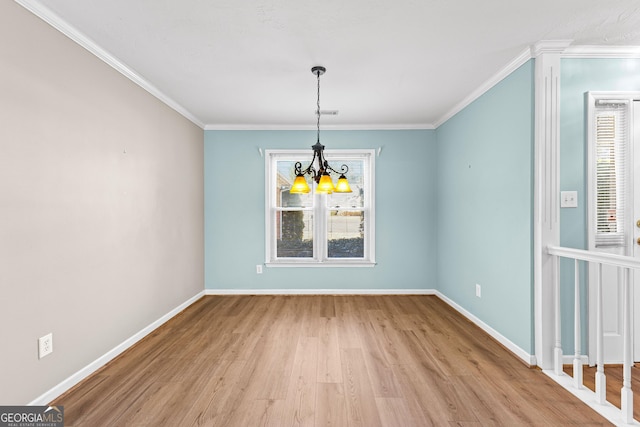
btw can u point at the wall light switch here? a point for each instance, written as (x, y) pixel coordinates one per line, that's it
(568, 199)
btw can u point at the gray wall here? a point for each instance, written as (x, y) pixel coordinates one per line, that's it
(101, 206)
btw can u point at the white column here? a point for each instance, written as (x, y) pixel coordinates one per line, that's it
(546, 192)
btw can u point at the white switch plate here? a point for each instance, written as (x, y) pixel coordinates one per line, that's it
(568, 199)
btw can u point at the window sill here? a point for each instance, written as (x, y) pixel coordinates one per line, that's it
(320, 264)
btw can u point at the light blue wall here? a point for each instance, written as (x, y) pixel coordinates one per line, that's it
(405, 211)
(468, 218)
(579, 76)
(485, 207)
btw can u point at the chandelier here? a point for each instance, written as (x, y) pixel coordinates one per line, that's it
(320, 172)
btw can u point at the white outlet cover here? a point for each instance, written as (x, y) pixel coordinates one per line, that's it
(45, 345)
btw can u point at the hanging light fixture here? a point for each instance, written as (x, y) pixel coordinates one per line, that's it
(319, 173)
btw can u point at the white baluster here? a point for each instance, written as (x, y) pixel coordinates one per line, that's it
(601, 379)
(626, 393)
(577, 363)
(557, 351)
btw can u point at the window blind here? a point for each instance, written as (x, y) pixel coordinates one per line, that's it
(612, 171)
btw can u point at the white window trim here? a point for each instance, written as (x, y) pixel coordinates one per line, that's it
(305, 156)
(592, 98)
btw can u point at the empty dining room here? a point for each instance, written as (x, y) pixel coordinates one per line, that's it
(285, 213)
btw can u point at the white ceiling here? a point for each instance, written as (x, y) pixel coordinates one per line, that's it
(390, 63)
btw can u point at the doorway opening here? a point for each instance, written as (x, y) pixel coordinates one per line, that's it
(613, 211)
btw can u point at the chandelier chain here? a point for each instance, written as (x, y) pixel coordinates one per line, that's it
(318, 105)
(321, 175)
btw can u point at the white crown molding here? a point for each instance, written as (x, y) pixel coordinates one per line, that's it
(59, 24)
(562, 47)
(599, 52)
(549, 46)
(420, 126)
(522, 58)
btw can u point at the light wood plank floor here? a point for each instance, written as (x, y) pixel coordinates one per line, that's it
(320, 361)
(614, 376)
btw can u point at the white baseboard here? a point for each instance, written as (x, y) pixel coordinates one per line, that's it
(320, 292)
(529, 359)
(92, 367)
(74, 379)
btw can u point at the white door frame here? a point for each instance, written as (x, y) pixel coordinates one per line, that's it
(612, 356)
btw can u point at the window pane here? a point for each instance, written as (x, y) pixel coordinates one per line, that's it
(355, 176)
(606, 173)
(345, 230)
(295, 234)
(611, 176)
(285, 177)
(293, 238)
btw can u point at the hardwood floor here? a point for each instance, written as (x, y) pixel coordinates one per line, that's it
(614, 376)
(320, 361)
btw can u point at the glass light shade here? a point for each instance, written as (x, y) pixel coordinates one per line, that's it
(325, 185)
(343, 185)
(299, 186)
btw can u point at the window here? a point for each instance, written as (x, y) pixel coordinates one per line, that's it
(610, 151)
(319, 229)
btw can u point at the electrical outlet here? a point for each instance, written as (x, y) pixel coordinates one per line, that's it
(478, 291)
(259, 269)
(45, 345)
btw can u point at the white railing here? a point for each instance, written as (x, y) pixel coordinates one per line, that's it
(598, 260)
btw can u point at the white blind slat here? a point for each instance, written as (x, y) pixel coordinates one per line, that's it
(611, 174)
